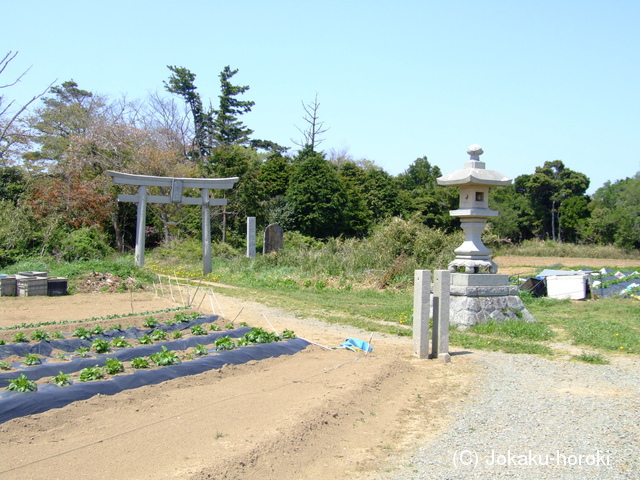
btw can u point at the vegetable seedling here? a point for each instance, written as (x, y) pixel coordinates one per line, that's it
(97, 330)
(32, 359)
(157, 335)
(214, 327)
(225, 343)
(177, 335)
(57, 336)
(20, 337)
(165, 358)
(139, 362)
(40, 335)
(5, 366)
(113, 366)
(91, 373)
(22, 384)
(230, 326)
(150, 322)
(145, 340)
(101, 346)
(83, 352)
(120, 342)
(61, 379)
(82, 333)
(198, 330)
(200, 350)
(288, 335)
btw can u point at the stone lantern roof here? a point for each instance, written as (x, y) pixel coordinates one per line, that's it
(474, 173)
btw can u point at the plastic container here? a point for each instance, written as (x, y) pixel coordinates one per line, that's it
(56, 286)
(33, 274)
(31, 286)
(8, 287)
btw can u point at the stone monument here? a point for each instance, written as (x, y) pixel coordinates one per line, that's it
(273, 239)
(479, 294)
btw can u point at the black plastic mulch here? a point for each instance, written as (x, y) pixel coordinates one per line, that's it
(15, 404)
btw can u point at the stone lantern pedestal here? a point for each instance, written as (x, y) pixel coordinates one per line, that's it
(478, 294)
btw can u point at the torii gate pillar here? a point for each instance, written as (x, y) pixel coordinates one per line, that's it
(176, 185)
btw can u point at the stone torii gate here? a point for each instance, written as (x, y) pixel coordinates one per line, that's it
(177, 185)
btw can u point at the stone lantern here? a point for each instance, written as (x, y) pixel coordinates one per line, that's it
(476, 296)
(474, 182)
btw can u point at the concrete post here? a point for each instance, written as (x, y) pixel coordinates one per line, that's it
(251, 237)
(441, 294)
(421, 307)
(206, 232)
(141, 227)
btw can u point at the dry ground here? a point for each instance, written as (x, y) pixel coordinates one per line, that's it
(318, 414)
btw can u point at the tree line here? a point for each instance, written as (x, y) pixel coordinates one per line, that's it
(56, 198)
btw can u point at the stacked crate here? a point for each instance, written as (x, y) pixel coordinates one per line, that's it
(30, 284)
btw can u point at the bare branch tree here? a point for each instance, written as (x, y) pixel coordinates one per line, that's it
(10, 134)
(311, 136)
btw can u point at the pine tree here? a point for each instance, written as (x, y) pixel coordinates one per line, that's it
(228, 129)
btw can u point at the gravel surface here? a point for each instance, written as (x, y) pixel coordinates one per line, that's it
(533, 418)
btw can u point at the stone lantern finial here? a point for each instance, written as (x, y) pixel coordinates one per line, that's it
(475, 151)
(474, 182)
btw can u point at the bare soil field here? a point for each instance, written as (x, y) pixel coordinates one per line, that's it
(321, 413)
(525, 266)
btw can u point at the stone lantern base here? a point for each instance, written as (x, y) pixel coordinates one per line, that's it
(478, 298)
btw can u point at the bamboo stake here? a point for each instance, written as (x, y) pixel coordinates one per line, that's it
(161, 288)
(265, 317)
(211, 302)
(171, 290)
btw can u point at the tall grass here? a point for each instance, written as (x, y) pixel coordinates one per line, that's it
(389, 256)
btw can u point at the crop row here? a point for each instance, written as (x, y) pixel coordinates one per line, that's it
(113, 365)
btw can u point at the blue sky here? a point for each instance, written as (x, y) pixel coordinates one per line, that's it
(530, 81)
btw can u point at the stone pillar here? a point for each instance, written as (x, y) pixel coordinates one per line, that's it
(141, 227)
(440, 337)
(251, 237)
(421, 308)
(206, 232)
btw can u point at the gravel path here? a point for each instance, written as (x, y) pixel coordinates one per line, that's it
(534, 418)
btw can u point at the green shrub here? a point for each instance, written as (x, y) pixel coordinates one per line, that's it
(85, 243)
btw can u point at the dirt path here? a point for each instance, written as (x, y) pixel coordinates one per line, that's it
(315, 415)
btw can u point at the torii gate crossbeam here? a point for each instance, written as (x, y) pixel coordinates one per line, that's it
(177, 185)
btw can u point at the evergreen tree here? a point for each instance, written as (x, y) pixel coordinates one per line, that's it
(317, 196)
(181, 82)
(229, 130)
